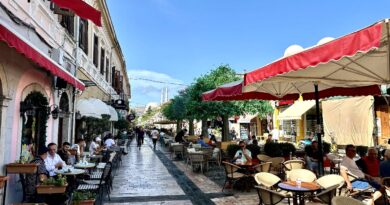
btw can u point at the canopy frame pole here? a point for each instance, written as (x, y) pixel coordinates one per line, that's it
(318, 131)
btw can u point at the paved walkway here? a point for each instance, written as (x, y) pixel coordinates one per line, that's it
(151, 177)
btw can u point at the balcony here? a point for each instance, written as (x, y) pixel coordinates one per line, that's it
(87, 65)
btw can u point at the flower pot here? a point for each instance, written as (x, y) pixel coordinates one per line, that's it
(2, 180)
(84, 202)
(15, 168)
(50, 189)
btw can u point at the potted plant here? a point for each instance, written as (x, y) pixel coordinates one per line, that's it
(22, 166)
(52, 186)
(2, 181)
(83, 198)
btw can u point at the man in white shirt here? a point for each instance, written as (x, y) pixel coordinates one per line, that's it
(53, 160)
(155, 136)
(94, 147)
(243, 154)
(348, 165)
(109, 141)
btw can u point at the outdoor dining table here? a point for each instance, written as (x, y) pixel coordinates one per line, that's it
(70, 172)
(85, 165)
(299, 190)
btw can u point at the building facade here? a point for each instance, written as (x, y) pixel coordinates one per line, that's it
(50, 59)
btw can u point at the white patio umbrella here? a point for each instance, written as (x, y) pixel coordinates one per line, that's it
(355, 64)
(87, 109)
(113, 113)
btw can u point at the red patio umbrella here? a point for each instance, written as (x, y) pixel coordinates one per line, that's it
(355, 64)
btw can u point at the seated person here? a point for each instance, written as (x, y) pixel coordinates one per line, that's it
(212, 141)
(255, 149)
(64, 152)
(348, 165)
(312, 156)
(371, 163)
(384, 166)
(180, 136)
(201, 142)
(53, 160)
(31, 179)
(94, 147)
(243, 153)
(79, 147)
(109, 141)
(269, 139)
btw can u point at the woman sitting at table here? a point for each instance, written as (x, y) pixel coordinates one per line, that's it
(243, 154)
(213, 141)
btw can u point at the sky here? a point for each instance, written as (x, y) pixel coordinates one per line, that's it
(176, 41)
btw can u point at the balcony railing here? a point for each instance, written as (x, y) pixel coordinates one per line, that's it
(87, 65)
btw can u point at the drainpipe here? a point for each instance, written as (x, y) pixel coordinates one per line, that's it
(73, 126)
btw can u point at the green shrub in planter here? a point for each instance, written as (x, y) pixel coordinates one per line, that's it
(232, 149)
(272, 149)
(287, 148)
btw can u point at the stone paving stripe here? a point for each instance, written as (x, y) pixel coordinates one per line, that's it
(148, 198)
(190, 189)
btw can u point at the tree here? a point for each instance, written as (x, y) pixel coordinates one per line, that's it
(176, 110)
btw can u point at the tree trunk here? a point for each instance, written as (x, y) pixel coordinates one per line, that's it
(204, 127)
(191, 126)
(178, 125)
(225, 128)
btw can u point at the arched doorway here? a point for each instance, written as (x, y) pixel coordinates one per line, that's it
(63, 119)
(34, 111)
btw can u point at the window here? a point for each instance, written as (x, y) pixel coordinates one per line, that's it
(95, 50)
(113, 72)
(83, 38)
(102, 58)
(107, 69)
(68, 23)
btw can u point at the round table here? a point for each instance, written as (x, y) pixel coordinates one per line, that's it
(299, 191)
(85, 166)
(72, 172)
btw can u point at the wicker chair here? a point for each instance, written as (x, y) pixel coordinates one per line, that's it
(327, 195)
(231, 173)
(263, 167)
(292, 164)
(198, 159)
(268, 196)
(263, 157)
(342, 200)
(276, 167)
(330, 181)
(304, 174)
(267, 179)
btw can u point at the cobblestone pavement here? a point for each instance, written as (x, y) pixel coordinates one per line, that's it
(151, 177)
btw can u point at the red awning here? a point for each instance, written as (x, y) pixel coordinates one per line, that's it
(82, 9)
(361, 41)
(36, 56)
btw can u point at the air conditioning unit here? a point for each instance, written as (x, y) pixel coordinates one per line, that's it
(58, 55)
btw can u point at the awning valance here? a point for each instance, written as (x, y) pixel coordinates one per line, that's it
(13, 40)
(246, 118)
(295, 111)
(113, 113)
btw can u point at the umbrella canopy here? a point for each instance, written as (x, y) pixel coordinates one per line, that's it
(100, 107)
(233, 91)
(86, 108)
(113, 113)
(355, 64)
(359, 59)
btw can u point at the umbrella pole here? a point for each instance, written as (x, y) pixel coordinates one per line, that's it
(318, 131)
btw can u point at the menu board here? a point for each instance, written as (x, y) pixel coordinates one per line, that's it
(244, 131)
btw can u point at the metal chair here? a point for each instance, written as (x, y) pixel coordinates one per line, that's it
(198, 159)
(327, 195)
(177, 149)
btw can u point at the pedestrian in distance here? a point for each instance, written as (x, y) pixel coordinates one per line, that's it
(140, 137)
(155, 135)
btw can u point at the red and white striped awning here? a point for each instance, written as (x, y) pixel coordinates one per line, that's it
(13, 40)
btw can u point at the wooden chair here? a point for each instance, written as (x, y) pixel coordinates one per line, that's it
(231, 173)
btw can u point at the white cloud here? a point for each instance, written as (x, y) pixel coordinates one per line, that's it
(146, 86)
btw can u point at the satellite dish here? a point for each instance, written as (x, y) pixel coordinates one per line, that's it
(325, 40)
(293, 49)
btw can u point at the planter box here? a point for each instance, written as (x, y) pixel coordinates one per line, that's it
(15, 168)
(2, 181)
(50, 189)
(84, 202)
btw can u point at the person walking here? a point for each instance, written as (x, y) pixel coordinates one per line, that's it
(155, 135)
(140, 137)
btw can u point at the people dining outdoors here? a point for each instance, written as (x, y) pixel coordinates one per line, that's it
(201, 141)
(212, 141)
(79, 147)
(312, 156)
(94, 147)
(109, 142)
(243, 154)
(64, 152)
(53, 160)
(384, 166)
(33, 179)
(371, 163)
(180, 136)
(348, 165)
